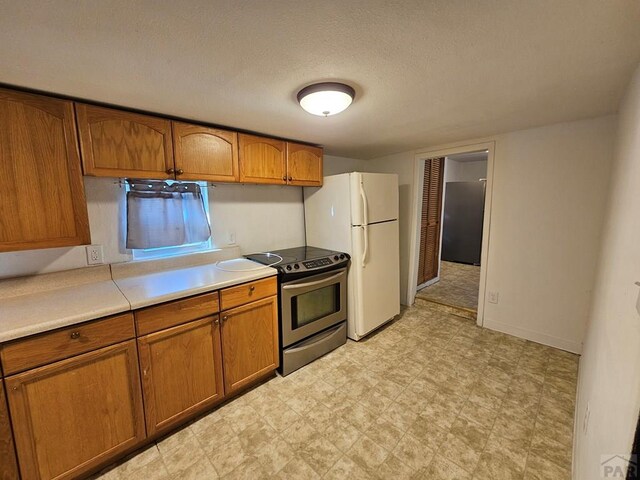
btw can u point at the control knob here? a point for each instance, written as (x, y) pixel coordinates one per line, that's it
(297, 266)
(288, 267)
(342, 256)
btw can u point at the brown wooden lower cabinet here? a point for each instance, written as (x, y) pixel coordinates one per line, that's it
(249, 342)
(181, 372)
(8, 465)
(72, 415)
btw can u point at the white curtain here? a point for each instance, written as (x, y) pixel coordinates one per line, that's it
(163, 215)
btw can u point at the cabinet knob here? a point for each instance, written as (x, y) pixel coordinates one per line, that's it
(179, 171)
(284, 179)
(225, 318)
(290, 178)
(170, 171)
(252, 288)
(216, 321)
(75, 335)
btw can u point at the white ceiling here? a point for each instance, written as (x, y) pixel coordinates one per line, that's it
(425, 72)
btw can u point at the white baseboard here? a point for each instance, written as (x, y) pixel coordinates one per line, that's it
(544, 339)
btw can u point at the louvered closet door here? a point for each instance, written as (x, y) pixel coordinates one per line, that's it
(430, 221)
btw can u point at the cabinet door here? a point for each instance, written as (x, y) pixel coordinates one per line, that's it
(262, 160)
(304, 165)
(115, 143)
(72, 415)
(249, 342)
(203, 153)
(8, 466)
(181, 372)
(43, 203)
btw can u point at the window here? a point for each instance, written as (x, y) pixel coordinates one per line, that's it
(167, 218)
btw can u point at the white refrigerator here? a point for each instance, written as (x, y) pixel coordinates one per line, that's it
(357, 213)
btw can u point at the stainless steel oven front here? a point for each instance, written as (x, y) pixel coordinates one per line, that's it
(312, 304)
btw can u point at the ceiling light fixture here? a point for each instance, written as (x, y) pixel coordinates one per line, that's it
(326, 98)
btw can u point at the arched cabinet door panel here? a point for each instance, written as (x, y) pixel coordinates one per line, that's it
(203, 153)
(43, 204)
(116, 143)
(262, 160)
(304, 165)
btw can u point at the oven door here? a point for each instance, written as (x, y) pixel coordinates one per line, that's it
(311, 304)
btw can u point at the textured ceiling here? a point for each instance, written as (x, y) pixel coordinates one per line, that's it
(425, 72)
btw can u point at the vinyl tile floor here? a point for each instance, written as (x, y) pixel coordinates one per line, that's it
(429, 396)
(458, 286)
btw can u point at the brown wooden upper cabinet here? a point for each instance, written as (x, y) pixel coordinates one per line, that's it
(115, 143)
(262, 160)
(203, 153)
(43, 204)
(271, 161)
(304, 165)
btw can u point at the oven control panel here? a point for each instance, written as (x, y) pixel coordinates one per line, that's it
(319, 262)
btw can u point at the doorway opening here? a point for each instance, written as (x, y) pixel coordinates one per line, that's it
(451, 232)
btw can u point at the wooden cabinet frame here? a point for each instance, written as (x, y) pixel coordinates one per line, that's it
(156, 382)
(42, 181)
(23, 407)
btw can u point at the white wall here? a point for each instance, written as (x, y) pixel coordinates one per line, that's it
(609, 374)
(335, 165)
(262, 217)
(549, 192)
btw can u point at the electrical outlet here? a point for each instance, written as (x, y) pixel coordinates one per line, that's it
(585, 422)
(232, 238)
(95, 255)
(494, 297)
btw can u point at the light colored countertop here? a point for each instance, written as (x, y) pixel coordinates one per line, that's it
(152, 288)
(31, 305)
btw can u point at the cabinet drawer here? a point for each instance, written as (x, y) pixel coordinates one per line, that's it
(248, 292)
(66, 342)
(170, 314)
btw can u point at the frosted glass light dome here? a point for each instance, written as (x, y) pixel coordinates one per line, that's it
(325, 99)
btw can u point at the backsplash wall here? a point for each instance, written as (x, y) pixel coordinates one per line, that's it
(261, 217)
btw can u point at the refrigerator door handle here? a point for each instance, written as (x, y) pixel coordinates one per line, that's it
(365, 231)
(365, 226)
(365, 205)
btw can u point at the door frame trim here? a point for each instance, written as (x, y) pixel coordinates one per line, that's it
(414, 228)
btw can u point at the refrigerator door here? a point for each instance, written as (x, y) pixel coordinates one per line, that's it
(462, 225)
(374, 197)
(374, 278)
(327, 212)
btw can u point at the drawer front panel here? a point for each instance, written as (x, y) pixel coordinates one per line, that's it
(66, 342)
(248, 292)
(156, 318)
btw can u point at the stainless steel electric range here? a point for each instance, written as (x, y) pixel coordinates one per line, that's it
(312, 302)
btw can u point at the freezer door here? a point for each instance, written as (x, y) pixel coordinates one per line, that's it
(327, 212)
(374, 197)
(374, 278)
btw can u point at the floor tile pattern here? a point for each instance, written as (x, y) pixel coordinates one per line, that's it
(458, 286)
(431, 396)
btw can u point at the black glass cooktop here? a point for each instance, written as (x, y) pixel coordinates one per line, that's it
(301, 260)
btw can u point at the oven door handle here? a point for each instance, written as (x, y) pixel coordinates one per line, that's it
(311, 284)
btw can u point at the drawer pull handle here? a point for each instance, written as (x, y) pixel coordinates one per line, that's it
(75, 335)
(252, 288)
